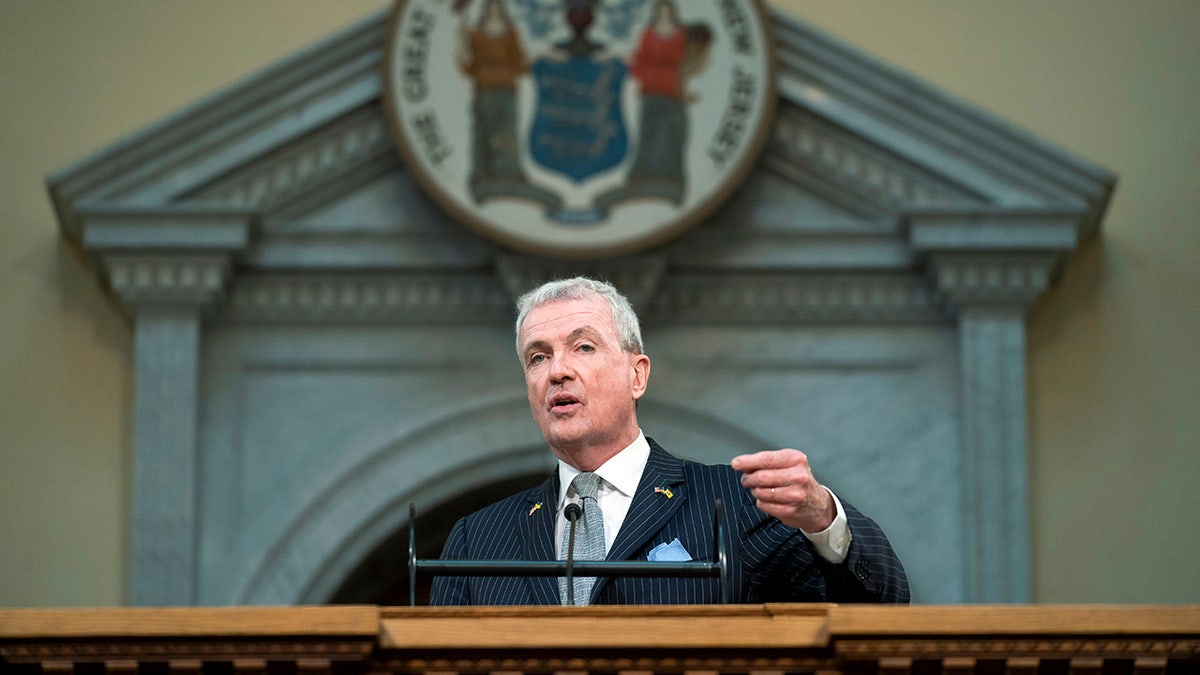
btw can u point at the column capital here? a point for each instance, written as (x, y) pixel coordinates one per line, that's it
(963, 280)
(187, 280)
(167, 256)
(993, 256)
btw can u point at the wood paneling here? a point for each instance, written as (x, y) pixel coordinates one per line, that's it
(776, 639)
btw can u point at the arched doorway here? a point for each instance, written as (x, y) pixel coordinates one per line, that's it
(382, 577)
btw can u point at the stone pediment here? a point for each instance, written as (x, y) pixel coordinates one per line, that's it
(865, 168)
(306, 315)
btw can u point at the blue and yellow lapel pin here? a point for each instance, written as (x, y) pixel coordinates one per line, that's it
(664, 491)
(535, 508)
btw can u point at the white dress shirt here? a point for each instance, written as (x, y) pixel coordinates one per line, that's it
(619, 480)
(620, 476)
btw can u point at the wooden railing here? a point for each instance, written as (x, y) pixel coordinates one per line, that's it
(708, 640)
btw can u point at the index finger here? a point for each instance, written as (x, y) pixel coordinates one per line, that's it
(767, 459)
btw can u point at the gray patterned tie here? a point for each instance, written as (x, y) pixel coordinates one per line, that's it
(589, 536)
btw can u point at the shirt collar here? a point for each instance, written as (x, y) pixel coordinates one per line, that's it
(622, 471)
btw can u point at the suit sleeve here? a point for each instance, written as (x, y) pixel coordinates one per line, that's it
(871, 571)
(452, 590)
(783, 566)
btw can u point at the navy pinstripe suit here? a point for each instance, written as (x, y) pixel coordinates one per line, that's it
(769, 561)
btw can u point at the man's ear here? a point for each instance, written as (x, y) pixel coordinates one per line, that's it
(641, 373)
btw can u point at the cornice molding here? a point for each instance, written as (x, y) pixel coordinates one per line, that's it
(993, 256)
(308, 163)
(182, 228)
(863, 168)
(994, 229)
(197, 280)
(745, 299)
(219, 134)
(181, 256)
(794, 299)
(399, 299)
(951, 138)
(974, 280)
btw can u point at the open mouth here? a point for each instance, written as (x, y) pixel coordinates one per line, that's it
(563, 402)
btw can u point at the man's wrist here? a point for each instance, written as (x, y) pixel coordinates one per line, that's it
(832, 543)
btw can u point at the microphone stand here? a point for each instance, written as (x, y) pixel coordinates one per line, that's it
(719, 569)
(572, 512)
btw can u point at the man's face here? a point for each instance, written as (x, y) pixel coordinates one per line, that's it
(582, 385)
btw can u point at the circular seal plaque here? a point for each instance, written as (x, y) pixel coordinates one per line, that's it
(579, 128)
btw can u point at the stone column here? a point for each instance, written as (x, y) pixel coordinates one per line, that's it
(166, 371)
(168, 269)
(991, 295)
(989, 265)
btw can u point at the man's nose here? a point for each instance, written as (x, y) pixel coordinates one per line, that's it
(561, 368)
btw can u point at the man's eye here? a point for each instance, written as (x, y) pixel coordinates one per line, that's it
(587, 347)
(536, 359)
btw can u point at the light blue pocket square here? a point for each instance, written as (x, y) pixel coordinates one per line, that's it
(672, 552)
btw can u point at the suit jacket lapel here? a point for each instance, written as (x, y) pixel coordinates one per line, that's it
(537, 533)
(649, 510)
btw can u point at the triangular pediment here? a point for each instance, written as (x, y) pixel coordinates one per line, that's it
(865, 168)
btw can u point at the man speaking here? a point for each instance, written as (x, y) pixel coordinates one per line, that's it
(790, 539)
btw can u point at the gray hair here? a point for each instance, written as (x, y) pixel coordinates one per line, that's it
(629, 332)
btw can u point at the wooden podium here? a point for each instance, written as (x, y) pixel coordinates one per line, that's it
(773, 639)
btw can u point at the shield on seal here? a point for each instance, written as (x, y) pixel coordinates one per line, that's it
(578, 129)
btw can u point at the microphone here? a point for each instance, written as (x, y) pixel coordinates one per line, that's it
(572, 512)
